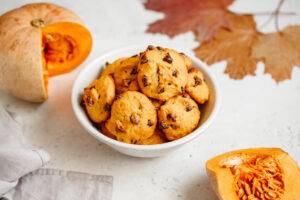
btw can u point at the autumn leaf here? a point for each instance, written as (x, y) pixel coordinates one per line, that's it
(203, 17)
(280, 52)
(233, 45)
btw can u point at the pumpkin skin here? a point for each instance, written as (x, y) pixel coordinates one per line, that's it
(223, 180)
(23, 63)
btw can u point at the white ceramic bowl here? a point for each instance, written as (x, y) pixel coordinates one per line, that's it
(91, 72)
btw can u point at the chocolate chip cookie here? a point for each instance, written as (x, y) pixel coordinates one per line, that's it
(196, 86)
(178, 117)
(133, 117)
(162, 73)
(110, 68)
(125, 75)
(98, 97)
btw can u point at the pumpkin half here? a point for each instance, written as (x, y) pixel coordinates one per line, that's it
(36, 41)
(255, 174)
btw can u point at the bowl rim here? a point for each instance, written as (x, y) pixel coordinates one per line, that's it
(111, 142)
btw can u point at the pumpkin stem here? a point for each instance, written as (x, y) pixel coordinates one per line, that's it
(38, 23)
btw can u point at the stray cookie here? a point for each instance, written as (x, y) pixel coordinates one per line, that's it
(133, 117)
(125, 75)
(157, 138)
(98, 97)
(162, 73)
(196, 86)
(178, 117)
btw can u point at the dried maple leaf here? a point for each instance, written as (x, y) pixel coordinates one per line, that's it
(203, 17)
(280, 51)
(234, 46)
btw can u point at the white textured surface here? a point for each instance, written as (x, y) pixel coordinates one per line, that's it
(255, 112)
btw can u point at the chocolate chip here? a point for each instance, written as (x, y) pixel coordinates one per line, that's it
(150, 123)
(119, 126)
(173, 126)
(182, 54)
(143, 59)
(175, 73)
(135, 118)
(134, 71)
(133, 141)
(184, 95)
(106, 107)
(145, 81)
(126, 82)
(161, 90)
(159, 48)
(150, 47)
(163, 125)
(172, 117)
(168, 58)
(106, 63)
(182, 89)
(189, 107)
(198, 80)
(90, 101)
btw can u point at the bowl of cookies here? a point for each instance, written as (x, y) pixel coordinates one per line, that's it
(145, 101)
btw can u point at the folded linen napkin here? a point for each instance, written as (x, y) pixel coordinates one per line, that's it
(21, 178)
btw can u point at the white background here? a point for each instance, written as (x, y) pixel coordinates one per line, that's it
(255, 112)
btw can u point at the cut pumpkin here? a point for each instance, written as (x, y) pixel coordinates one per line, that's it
(255, 174)
(36, 41)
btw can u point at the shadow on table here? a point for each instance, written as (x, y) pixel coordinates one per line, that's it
(199, 188)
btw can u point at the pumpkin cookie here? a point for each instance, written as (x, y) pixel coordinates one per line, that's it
(196, 86)
(178, 117)
(162, 73)
(133, 117)
(157, 138)
(98, 97)
(125, 74)
(110, 68)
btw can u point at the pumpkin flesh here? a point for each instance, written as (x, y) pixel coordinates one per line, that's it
(65, 46)
(255, 174)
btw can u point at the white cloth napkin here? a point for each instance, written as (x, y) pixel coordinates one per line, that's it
(21, 178)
